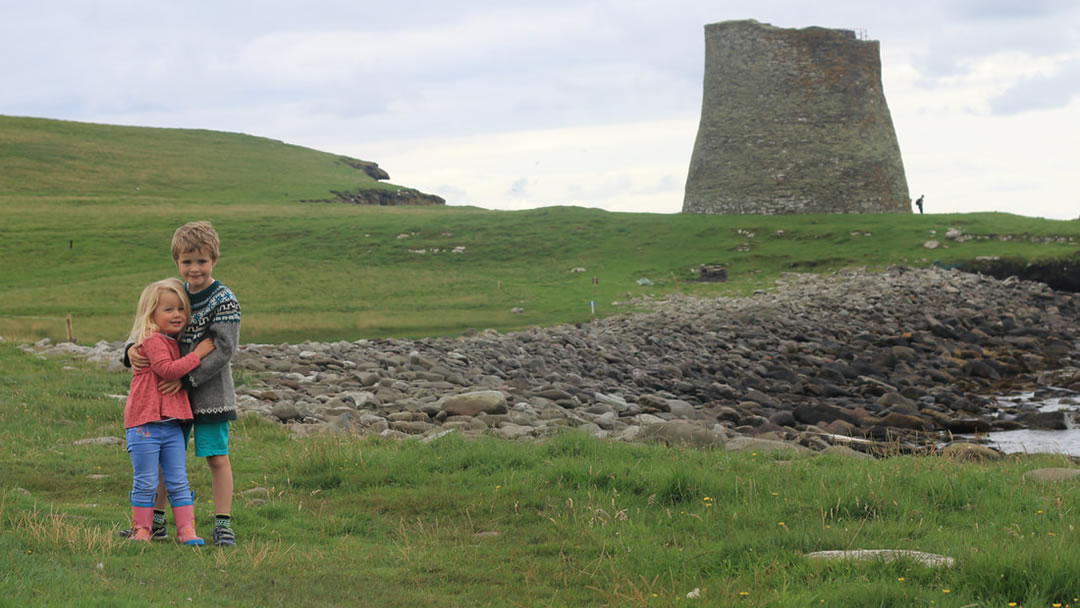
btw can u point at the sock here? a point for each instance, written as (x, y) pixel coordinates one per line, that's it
(159, 517)
(222, 521)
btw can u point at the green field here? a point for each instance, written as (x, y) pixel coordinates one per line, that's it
(571, 521)
(87, 212)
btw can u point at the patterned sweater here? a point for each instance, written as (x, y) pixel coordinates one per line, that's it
(214, 313)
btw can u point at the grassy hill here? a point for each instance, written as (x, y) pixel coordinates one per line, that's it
(87, 212)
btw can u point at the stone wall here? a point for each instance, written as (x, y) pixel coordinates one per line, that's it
(793, 121)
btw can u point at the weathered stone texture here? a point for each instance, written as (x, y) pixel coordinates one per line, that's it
(793, 121)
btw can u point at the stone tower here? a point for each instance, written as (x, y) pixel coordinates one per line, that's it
(793, 121)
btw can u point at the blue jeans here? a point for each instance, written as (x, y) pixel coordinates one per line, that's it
(154, 445)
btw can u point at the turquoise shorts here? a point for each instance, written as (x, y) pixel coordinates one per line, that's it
(211, 438)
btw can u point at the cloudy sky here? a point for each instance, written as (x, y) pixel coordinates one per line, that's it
(510, 104)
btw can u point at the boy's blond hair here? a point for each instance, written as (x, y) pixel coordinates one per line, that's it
(148, 303)
(196, 236)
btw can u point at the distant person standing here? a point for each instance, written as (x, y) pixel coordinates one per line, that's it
(918, 203)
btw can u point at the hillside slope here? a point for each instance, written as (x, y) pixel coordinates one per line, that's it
(59, 158)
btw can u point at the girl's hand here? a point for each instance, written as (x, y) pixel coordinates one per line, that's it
(169, 388)
(204, 348)
(137, 359)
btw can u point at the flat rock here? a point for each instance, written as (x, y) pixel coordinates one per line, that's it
(887, 555)
(1051, 475)
(970, 451)
(100, 441)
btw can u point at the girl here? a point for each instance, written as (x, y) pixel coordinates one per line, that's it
(152, 419)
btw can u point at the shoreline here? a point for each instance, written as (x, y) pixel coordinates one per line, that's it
(896, 360)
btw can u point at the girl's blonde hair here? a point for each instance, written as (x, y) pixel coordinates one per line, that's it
(148, 302)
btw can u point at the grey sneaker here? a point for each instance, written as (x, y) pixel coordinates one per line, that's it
(224, 537)
(157, 532)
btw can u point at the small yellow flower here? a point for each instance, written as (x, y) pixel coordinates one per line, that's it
(1050, 534)
(1039, 512)
(780, 524)
(498, 487)
(654, 595)
(944, 590)
(1012, 604)
(744, 594)
(1057, 605)
(901, 579)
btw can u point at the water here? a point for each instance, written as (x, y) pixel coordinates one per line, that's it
(1030, 441)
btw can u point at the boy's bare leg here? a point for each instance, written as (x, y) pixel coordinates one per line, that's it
(221, 479)
(162, 497)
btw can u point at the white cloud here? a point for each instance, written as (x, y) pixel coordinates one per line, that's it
(1041, 89)
(611, 167)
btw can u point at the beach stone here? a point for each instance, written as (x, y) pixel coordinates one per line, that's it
(513, 431)
(824, 413)
(684, 433)
(968, 426)
(970, 451)
(752, 444)
(840, 427)
(902, 421)
(475, 403)
(843, 450)
(286, 411)
(1049, 421)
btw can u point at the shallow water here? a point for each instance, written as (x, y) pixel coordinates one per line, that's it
(1028, 441)
(1042, 442)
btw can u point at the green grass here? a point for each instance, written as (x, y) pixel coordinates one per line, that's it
(571, 521)
(87, 213)
(77, 238)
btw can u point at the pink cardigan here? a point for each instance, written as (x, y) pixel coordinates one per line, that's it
(144, 402)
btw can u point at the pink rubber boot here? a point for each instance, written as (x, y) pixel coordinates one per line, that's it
(185, 525)
(142, 519)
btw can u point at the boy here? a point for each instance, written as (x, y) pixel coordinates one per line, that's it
(215, 313)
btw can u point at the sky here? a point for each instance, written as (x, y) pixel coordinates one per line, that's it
(507, 104)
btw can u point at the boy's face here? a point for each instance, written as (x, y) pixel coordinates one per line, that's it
(195, 268)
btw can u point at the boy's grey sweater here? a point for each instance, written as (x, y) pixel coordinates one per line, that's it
(215, 313)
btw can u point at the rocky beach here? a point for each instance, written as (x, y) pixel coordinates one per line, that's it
(895, 361)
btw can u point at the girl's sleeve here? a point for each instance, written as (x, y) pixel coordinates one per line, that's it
(162, 363)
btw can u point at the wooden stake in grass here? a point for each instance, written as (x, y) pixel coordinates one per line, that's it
(71, 336)
(675, 280)
(592, 302)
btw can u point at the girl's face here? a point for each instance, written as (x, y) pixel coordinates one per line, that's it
(170, 315)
